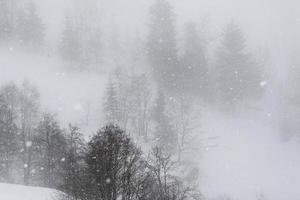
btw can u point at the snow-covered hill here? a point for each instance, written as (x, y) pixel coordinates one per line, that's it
(20, 192)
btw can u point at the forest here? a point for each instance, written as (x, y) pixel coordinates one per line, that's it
(144, 101)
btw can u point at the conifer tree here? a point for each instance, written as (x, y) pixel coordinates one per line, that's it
(6, 26)
(30, 30)
(238, 77)
(111, 104)
(194, 76)
(161, 45)
(70, 47)
(36, 30)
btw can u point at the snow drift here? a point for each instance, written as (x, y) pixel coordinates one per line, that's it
(19, 192)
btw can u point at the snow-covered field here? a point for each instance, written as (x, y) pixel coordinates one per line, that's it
(19, 192)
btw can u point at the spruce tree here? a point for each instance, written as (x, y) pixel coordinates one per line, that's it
(70, 47)
(194, 76)
(6, 27)
(30, 30)
(161, 45)
(111, 105)
(238, 77)
(36, 30)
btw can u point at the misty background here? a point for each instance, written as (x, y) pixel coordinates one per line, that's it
(178, 63)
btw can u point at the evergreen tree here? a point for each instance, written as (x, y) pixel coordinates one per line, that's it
(111, 105)
(36, 30)
(6, 27)
(30, 30)
(161, 46)
(238, 77)
(70, 47)
(164, 133)
(21, 26)
(81, 44)
(194, 79)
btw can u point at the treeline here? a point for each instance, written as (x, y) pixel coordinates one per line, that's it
(227, 74)
(32, 144)
(229, 77)
(188, 69)
(21, 25)
(36, 150)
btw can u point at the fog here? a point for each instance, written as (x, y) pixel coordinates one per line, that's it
(235, 115)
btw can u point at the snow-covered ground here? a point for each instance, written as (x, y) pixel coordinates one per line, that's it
(247, 159)
(19, 192)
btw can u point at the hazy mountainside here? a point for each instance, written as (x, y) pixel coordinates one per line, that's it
(234, 150)
(197, 99)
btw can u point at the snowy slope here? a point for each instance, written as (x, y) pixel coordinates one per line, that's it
(247, 159)
(19, 192)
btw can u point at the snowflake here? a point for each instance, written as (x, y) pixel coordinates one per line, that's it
(108, 181)
(28, 144)
(25, 166)
(263, 83)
